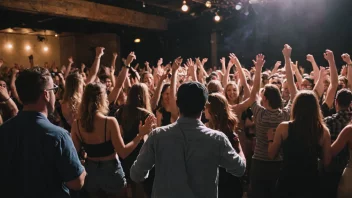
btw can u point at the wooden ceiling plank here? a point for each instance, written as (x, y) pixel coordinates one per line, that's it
(88, 10)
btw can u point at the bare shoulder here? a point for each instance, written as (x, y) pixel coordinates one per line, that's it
(347, 131)
(283, 126)
(111, 119)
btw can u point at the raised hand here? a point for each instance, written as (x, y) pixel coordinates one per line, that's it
(259, 62)
(164, 76)
(329, 55)
(146, 63)
(130, 58)
(99, 51)
(287, 51)
(204, 60)
(344, 70)
(277, 64)
(222, 60)
(177, 63)
(346, 58)
(149, 125)
(15, 71)
(310, 58)
(160, 62)
(233, 59)
(70, 60)
(198, 63)
(323, 74)
(4, 95)
(294, 67)
(114, 54)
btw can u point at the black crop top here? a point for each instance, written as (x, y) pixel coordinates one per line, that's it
(98, 150)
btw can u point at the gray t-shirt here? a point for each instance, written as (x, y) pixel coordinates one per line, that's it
(264, 120)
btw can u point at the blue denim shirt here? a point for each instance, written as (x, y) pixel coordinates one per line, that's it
(186, 156)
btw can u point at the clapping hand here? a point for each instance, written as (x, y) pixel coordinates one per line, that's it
(149, 125)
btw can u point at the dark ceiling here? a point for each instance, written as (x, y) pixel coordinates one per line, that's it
(170, 9)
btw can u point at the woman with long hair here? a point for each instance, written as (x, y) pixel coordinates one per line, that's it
(101, 138)
(221, 118)
(304, 139)
(344, 139)
(136, 109)
(68, 106)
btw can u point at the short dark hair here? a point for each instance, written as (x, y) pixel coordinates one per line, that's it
(344, 98)
(272, 94)
(30, 84)
(191, 98)
(104, 77)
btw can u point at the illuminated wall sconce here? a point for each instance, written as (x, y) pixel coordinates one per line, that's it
(46, 49)
(28, 47)
(9, 46)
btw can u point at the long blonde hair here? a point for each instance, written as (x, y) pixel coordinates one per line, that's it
(71, 94)
(94, 100)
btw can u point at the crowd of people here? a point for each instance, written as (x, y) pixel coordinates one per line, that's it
(177, 130)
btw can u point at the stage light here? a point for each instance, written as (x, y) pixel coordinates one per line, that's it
(217, 18)
(143, 4)
(238, 6)
(28, 47)
(9, 46)
(45, 49)
(208, 4)
(184, 7)
(56, 35)
(137, 40)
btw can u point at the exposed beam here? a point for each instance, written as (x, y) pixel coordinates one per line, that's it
(88, 10)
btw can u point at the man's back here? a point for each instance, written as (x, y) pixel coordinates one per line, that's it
(37, 156)
(186, 157)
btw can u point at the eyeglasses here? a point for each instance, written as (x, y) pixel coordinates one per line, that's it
(55, 89)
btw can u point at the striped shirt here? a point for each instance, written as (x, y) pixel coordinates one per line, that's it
(264, 120)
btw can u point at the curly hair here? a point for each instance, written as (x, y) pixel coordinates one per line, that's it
(71, 94)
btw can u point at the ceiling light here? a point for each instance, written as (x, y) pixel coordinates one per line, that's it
(137, 40)
(56, 35)
(45, 49)
(208, 4)
(217, 17)
(184, 7)
(28, 47)
(238, 6)
(143, 4)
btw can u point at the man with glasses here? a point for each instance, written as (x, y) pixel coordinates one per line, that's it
(38, 158)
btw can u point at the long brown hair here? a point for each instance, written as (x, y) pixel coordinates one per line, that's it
(307, 119)
(138, 99)
(94, 100)
(222, 118)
